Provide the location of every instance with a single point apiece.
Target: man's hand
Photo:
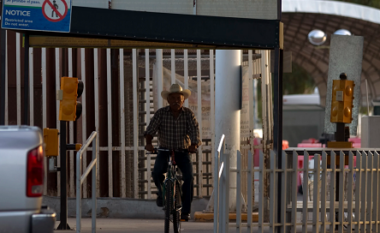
(193, 148)
(149, 147)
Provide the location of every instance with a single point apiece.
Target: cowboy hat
(176, 88)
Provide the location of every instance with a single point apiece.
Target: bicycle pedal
(178, 209)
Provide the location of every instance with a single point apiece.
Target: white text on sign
(17, 12)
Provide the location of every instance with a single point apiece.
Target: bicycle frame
(171, 174)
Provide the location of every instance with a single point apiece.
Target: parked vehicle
(22, 181)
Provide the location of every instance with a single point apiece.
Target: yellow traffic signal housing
(68, 103)
(51, 142)
(342, 101)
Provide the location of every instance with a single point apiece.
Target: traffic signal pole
(62, 137)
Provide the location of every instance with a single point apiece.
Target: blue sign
(37, 15)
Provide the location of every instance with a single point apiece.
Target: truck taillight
(35, 172)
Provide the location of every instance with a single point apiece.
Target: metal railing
(341, 192)
(220, 180)
(81, 177)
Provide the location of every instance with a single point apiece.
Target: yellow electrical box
(68, 103)
(51, 142)
(342, 101)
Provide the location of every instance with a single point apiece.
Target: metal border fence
(341, 192)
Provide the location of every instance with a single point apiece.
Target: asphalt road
(112, 225)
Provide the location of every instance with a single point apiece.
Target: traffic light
(69, 108)
(342, 101)
(51, 142)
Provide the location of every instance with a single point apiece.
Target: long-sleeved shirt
(174, 133)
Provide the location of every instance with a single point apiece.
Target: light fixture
(317, 37)
(342, 32)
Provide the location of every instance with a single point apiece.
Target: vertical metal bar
(316, 203)
(370, 190)
(147, 107)
(251, 93)
(3, 78)
(323, 191)
(222, 193)
(349, 190)
(84, 114)
(294, 191)
(284, 184)
(261, 192)
(95, 156)
(123, 188)
(249, 194)
(172, 58)
(5, 75)
(364, 190)
(358, 178)
(186, 73)
(63, 170)
(216, 191)
(71, 130)
(305, 190)
(135, 126)
(199, 113)
(277, 118)
(31, 87)
(109, 118)
(44, 115)
(227, 188)
(377, 193)
(341, 191)
(332, 191)
(58, 87)
(78, 193)
(272, 192)
(96, 96)
(159, 62)
(238, 192)
(212, 106)
(18, 78)
(25, 120)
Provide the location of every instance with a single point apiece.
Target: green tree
(371, 3)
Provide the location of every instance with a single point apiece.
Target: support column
(227, 109)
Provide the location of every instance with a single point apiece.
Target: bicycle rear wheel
(168, 204)
(178, 207)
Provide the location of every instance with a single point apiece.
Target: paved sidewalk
(112, 225)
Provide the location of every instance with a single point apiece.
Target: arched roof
(302, 16)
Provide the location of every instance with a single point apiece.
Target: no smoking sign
(54, 10)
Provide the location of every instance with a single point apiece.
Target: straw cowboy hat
(176, 88)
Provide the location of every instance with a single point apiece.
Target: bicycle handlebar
(155, 151)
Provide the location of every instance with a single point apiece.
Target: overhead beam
(147, 29)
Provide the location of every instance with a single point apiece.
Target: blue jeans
(183, 162)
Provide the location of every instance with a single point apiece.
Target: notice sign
(37, 15)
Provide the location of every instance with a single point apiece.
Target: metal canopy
(172, 30)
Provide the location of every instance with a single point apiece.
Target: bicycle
(172, 193)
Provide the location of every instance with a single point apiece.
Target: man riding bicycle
(178, 130)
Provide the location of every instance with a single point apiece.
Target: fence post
(261, 192)
(305, 189)
(317, 166)
(250, 196)
(238, 192)
(216, 191)
(357, 190)
(272, 192)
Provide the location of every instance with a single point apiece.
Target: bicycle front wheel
(178, 207)
(168, 203)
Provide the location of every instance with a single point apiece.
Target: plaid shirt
(174, 133)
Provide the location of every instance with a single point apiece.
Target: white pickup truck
(22, 181)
